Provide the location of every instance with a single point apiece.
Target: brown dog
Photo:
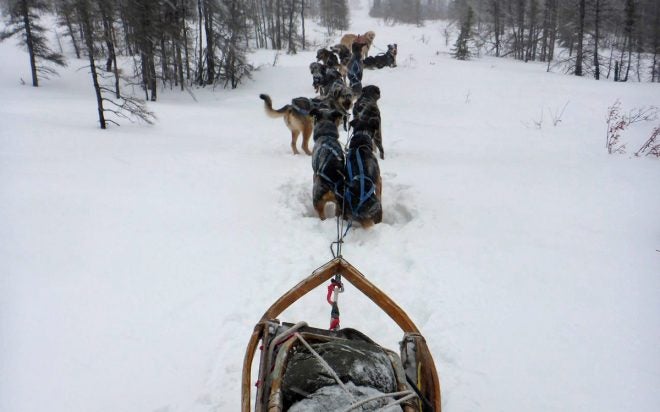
(295, 120)
(366, 38)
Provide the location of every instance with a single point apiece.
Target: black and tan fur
(364, 186)
(366, 107)
(297, 122)
(327, 161)
(297, 115)
(382, 59)
(318, 72)
(331, 60)
(327, 57)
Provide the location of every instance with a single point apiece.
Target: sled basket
(308, 369)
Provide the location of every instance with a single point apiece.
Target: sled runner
(308, 369)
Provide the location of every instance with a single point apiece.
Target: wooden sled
(419, 373)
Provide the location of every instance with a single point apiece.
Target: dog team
(350, 179)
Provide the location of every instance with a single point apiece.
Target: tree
(629, 30)
(23, 20)
(334, 15)
(125, 107)
(580, 39)
(461, 50)
(231, 30)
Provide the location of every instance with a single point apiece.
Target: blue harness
(360, 177)
(354, 72)
(320, 170)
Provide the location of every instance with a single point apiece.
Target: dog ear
(377, 92)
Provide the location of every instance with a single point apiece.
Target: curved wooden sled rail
(431, 387)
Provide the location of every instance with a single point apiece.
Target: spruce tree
(23, 20)
(461, 50)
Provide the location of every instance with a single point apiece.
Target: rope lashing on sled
(325, 365)
(406, 395)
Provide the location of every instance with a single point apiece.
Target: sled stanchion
(246, 383)
(429, 381)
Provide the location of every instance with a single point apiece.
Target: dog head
(326, 121)
(370, 92)
(342, 95)
(315, 68)
(342, 51)
(327, 57)
(392, 48)
(318, 73)
(369, 37)
(321, 54)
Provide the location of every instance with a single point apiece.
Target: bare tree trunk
(531, 35)
(302, 17)
(520, 35)
(278, 24)
(292, 10)
(625, 79)
(496, 24)
(29, 43)
(69, 26)
(553, 30)
(184, 33)
(580, 40)
(596, 38)
(86, 26)
(200, 62)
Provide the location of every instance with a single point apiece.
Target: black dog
(327, 161)
(327, 57)
(330, 77)
(355, 68)
(343, 52)
(318, 74)
(362, 196)
(366, 107)
(383, 59)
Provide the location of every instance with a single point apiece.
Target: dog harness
(320, 170)
(360, 177)
(354, 71)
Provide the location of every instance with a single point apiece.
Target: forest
(186, 43)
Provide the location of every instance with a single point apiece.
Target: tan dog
(366, 38)
(296, 121)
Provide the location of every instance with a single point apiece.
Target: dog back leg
(308, 128)
(294, 140)
(378, 139)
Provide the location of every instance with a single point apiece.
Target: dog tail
(268, 106)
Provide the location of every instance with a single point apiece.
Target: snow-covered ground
(134, 262)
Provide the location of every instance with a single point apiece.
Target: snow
(134, 262)
(333, 399)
